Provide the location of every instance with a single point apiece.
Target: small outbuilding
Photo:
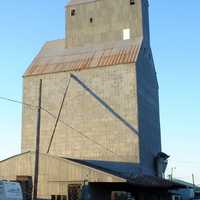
(57, 175)
(65, 178)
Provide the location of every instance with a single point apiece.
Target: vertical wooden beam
(37, 151)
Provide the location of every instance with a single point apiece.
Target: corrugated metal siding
(55, 58)
(54, 173)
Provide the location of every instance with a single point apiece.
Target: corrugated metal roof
(134, 179)
(54, 57)
(141, 182)
(120, 169)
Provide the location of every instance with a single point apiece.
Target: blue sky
(175, 38)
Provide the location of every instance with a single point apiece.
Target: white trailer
(10, 191)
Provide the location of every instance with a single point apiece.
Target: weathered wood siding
(54, 173)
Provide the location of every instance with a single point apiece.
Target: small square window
(91, 20)
(73, 12)
(126, 34)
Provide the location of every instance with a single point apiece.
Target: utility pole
(193, 181)
(37, 151)
(172, 173)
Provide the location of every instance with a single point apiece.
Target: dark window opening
(64, 197)
(58, 197)
(132, 2)
(91, 20)
(119, 195)
(53, 197)
(73, 12)
(74, 192)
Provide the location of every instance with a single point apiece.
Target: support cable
(58, 117)
(64, 123)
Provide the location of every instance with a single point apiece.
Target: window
(53, 197)
(132, 2)
(74, 192)
(126, 34)
(58, 197)
(73, 12)
(118, 195)
(91, 20)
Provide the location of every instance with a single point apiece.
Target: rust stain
(97, 58)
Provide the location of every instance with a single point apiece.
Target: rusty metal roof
(54, 57)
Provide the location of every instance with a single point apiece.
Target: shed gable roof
(134, 179)
(54, 57)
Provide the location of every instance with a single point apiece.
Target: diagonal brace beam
(58, 117)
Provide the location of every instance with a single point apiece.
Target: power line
(186, 163)
(79, 132)
(18, 102)
(64, 123)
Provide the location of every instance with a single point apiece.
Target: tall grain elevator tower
(100, 124)
(110, 114)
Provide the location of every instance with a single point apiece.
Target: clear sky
(175, 38)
